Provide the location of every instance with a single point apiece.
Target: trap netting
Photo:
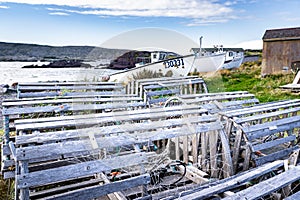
(177, 146)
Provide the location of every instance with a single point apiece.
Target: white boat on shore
(175, 65)
(233, 56)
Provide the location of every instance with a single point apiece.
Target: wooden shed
(281, 49)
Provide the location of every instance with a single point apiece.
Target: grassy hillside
(32, 52)
(248, 78)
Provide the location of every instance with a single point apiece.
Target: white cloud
(4, 7)
(252, 44)
(59, 13)
(204, 10)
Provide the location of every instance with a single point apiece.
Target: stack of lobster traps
(153, 139)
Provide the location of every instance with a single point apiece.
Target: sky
(235, 23)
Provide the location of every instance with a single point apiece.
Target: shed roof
(282, 34)
(196, 50)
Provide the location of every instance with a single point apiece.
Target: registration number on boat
(174, 63)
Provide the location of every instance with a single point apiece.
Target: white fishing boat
(233, 56)
(175, 65)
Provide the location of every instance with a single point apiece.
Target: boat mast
(200, 50)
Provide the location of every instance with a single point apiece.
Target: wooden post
(195, 145)
(177, 148)
(185, 149)
(226, 157)
(236, 149)
(228, 127)
(204, 144)
(23, 169)
(213, 140)
(247, 158)
(6, 128)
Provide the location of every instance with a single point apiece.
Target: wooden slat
(98, 191)
(69, 107)
(107, 130)
(53, 94)
(230, 183)
(73, 171)
(266, 115)
(70, 87)
(70, 100)
(218, 98)
(267, 128)
(97, 121)
(268, 186)
(20, 84)
(201, 95)
(260, 108)
(56, 190)
(162, 92)
(55, 150)
(275, 156)
(273, 143)
(295, 196)
(150, 112)
(71, 97)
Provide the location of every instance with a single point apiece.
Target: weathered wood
(112, 196)
(213, 141)
(275, 156)
(204, 142)
(267, 128)
(268, 186)
(295, 196)
(293, 159)
(70, 107)
(55, 150)
(230, 183)
(166, 111)
(69, 83)
(177, 148)
(273, 143)
(12, 150)
(72, 87)
(260, 108)
(83, 95)
(56, 190)
(190, 174)
(195, 147)
(9, 175)
(201, 95)
(238, 103)
(70, 100)
(218, 98)
(185, 148)
(226, 156)
(97, 121)
(265, 115)
(53, 94)
(38, 178)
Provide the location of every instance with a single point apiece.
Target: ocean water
(11, 72)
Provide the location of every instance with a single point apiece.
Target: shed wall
(278, 54)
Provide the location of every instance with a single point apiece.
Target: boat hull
(234, 63)
(176, 67)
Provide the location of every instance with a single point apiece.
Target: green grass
(6, 186)
(248, 78)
